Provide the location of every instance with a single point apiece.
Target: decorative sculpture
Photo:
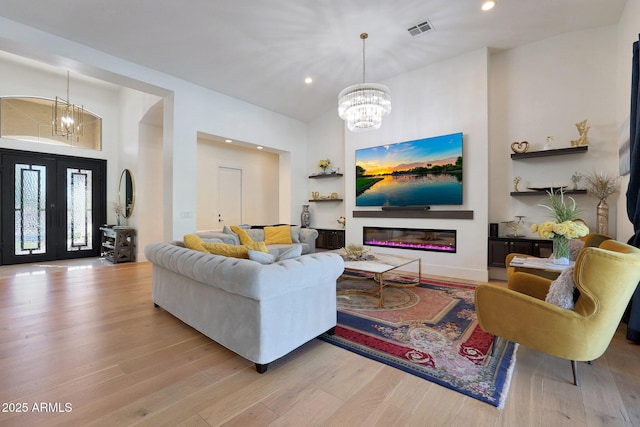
(583, 129)
(520, 147)
(549, 143)
(516, 181)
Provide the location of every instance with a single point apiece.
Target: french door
(52, 206)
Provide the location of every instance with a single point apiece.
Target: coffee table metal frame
(382, 263)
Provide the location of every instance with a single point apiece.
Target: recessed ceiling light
(228, 140)
(488, 5)
(259, 147)
(308, 80)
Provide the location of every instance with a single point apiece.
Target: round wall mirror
(127, 192)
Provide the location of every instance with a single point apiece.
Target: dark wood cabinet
(330, 239)
(118, 244)
(500, 247)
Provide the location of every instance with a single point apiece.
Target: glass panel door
(58, 205)
(79, 209)
(30, 209)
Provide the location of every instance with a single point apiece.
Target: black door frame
(56, 205)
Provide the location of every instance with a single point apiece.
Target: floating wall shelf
(548, 153)
(544, 193)
(325, 175)
(413, 213)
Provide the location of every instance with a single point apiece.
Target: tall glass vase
(603, 217)
(561, 250)
(305, 216)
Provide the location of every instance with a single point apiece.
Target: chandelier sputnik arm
(363, 105)
(67, 118)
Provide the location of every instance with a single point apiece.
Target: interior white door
(230, 196)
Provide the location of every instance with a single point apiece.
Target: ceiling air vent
(419, 29)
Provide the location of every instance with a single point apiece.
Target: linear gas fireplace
(410, 238)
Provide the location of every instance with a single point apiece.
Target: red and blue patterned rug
(429, 330)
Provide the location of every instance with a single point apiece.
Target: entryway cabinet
(118, 244)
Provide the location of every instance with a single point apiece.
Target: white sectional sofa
(260, 312)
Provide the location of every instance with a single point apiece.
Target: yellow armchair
(606, 278)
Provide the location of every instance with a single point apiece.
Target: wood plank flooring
(83, 345)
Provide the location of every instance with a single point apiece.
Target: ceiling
(260, 51)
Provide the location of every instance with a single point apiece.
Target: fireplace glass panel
(410, 238)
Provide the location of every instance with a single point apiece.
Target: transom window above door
(30, 119)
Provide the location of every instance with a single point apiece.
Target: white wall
(188, 109)
(628, 30)
(326, 141)
(25, 79)
(543, 89)
(448, 97)
(259, 183)
(149, 188)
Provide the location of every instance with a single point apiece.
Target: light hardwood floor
(86, 341)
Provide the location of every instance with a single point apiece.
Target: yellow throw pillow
(244, 237)
(258, 246)
(194, 242)
(280, 234)
(235, 251)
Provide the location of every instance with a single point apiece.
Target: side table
(118, 244)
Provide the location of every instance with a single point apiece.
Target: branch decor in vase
(118, 208)
(601, 186)
(565, 226)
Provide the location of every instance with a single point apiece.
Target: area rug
(428, 330)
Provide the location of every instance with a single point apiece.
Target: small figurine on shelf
(342, 221)
(516, 181)
(575, 178)
(515, 225)
(520, 147)
(583, 129)
(549, 143)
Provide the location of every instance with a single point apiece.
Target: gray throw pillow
(292, 252)
(295, 233)
(261, 257)
(227, 230)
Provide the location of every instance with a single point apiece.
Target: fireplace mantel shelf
(412, 213)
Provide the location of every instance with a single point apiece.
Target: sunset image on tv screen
(423, 172)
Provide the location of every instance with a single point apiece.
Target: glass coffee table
(380, 264)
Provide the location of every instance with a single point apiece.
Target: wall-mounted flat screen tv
(417, 173)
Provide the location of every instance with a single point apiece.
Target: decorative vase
(603, 217)
(561, 250)
(305, 216)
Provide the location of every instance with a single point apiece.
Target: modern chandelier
(67, 118)
(363, 105)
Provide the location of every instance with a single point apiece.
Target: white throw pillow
(261, 257)
(561, 290)
(293, 252)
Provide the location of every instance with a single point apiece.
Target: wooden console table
(118, 244)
